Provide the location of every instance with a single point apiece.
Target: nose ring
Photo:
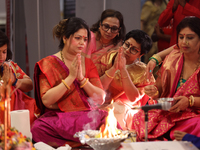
(187, 43)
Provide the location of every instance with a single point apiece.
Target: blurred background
(29, 23)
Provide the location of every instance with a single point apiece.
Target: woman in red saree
(178, 78)
(67, 88)
(20, 81)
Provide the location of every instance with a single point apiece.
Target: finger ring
(150, 71)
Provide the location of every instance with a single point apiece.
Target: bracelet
(156, 56)
(191, 100)
(157, 92)
(108, 75)
(84, 83)
(63, 81)
(155, 60)
(82, 79)
(14, 84)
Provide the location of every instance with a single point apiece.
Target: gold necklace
(62, 58)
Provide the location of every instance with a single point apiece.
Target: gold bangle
(158, 58)
(156, 94)
(84, 83)
(108, 75)
(63, 81)
(191, 100)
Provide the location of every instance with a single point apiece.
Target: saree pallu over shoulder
(167, 72)
(171, 75)
(55, 70)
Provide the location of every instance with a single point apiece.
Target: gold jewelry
(158, 58)
(181, 77)
(63, 81)
(191, 100)
(187, 43)
(84, 83)
(156, 94)
(62, 58)
(108, 75)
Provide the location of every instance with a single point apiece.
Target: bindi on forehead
(83, 36)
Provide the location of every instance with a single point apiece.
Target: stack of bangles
(156, 58)
(191, 100)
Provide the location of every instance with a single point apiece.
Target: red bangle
(82, 79)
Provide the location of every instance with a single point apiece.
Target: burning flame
(109, 130)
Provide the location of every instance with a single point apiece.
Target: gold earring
(64, 41)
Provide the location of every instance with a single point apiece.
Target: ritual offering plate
(166, 103)
(93, 139)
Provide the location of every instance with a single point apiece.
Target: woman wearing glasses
(107, 33)
(123, 75)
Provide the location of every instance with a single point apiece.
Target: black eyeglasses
(106, 27)
(133, 50)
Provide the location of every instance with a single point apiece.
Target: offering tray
(88, 137)
(166, 103)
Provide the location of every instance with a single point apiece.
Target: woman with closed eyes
(67, 88)
(179, 77)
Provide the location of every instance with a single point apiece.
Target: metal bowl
(166, 103)
(88, 137)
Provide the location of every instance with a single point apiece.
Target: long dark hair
(4, 40)
(110, 13)
(68, 27)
